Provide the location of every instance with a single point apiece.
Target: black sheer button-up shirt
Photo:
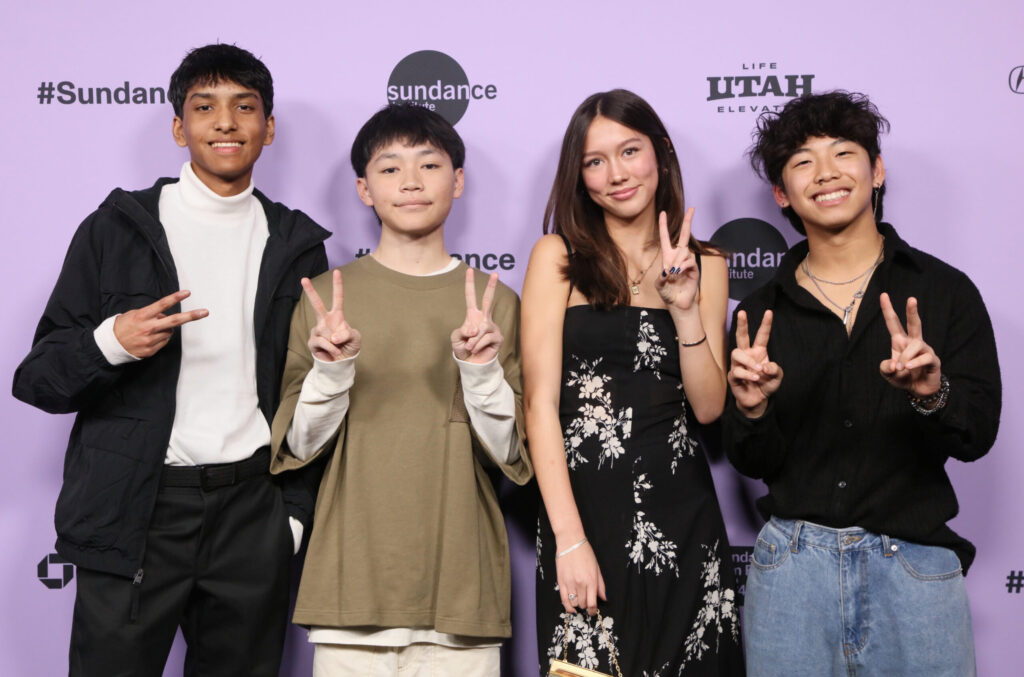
(837, 444)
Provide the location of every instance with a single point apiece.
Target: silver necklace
(821, 279)
(847, 310)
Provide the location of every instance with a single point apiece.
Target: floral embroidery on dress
(597, 417)
(719, 610)
(657, 673)
(649, 548)
(540, 567)
(640, 483)
(679, 439)
(582, 635)
(649, 347)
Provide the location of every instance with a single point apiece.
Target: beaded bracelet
(926, 406)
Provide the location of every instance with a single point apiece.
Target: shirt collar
(197, 196)
(897, 252)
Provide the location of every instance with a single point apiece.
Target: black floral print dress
(648, 505)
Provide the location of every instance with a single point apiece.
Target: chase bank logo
(57, 577)
(436, 81)
(1016, 80)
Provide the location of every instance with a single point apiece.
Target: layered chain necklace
(847, 310)
(634, 285)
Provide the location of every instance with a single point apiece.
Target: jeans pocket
(927, 562)
(771, 548)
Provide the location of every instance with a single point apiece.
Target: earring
(874, 201)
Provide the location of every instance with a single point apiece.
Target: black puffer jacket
(118, 260)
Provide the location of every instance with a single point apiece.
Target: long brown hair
(597, 267)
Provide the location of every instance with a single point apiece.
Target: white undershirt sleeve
(492, 408)
(323, 403)
(109, 345)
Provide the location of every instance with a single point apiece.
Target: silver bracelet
(570, 548)
(926, 406)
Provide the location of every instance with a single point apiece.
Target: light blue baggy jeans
(849, 602)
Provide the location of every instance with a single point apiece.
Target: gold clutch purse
(563, 668)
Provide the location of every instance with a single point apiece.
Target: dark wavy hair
(597, 267)
(213, 64)
(411, 124)
(838, 114)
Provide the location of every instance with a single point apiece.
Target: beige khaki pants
(415, 660)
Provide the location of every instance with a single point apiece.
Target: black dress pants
(216, 564)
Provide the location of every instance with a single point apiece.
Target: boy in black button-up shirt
(848, 407)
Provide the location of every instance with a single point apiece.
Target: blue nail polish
(663, 273)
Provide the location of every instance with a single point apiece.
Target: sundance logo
(755, 249)
(437, 81)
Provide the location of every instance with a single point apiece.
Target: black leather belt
(215, 475)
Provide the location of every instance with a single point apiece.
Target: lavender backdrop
(945, 74)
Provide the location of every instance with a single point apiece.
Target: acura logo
(1017, 79)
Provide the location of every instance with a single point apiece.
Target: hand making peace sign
(752, 376)
(479, 338)
(913, 365)
(332, 338)
(144, 331)
(679, 281)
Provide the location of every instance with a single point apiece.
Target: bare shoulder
(547, 263)
(714, 266)
(549, 249)
(714, 284)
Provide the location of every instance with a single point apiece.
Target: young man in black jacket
(167, 332)
(890, 369)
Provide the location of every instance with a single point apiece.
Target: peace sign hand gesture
(144, 331)
(680, 278)
(332, 338)
(479, 338)
(913, 365)
(752, 377)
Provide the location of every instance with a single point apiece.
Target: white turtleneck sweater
(217, 245)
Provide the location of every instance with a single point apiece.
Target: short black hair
(411, 124)
(838, 114)
(220, 63)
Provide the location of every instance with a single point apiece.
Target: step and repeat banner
(85, 110)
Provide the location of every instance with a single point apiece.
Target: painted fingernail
(664, 273)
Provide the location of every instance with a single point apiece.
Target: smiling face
(620, 170)
(225, 130)
(410, 187)
(828, 183)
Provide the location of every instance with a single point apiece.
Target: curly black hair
(838, 114)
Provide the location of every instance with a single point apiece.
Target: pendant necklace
(847, 309)
(634, 285)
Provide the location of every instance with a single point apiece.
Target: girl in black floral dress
(623, 341)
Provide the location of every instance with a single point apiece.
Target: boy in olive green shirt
(408, 558)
